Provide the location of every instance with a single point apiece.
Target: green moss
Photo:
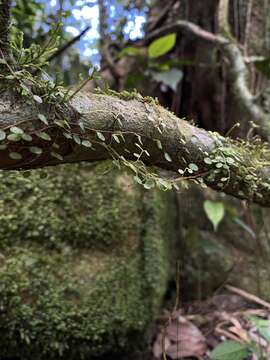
(127, 95)
(158, 241)
(88, 289)
(72, 206)
(54, 305)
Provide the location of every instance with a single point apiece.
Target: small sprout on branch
(37, 99)
(2, 135)
(167, 157)
(57, 156)
(43, 119)
(77, 139)
(193, 167)
(15, 156)
(100, 136)
(159, 145)
(116, 138)
(27, 137)
(16, 130)
(44, 136)
(86, 143)
(35, 150)
(14, 137)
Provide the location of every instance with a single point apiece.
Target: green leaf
(35, 150)
(16, 130)
(215, 212)
(161, 46)
(116, 138)
(43, 119)
(262, 325)
(15, 156)
(37, 99)
(2, 135)
(67, 135)
(207, 160)
(159, 145)
(77, 139)
(44, 136)
(137, 179)
(60, 123)
(3, 147)
(193, 167)
(100, 136)
(149, 184)
(167, 157)
(86, 143)
(229, 350)
(57, 156)
(27, 137)
(230, 161)
(14, 137)
(81, 125)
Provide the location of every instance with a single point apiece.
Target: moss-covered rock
(84, 262)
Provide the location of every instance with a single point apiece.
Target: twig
(223, 12)
(248, 296)
(183, 25)
(248, 26)
(68, 44)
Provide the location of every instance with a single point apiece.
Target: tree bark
(245, 168)
(4, 28)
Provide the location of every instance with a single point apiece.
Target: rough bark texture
(245, 168)
(4, 28)
(236, 169)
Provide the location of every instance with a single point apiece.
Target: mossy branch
(103, 126)
(4, 28)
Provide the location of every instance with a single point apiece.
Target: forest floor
(235, 323)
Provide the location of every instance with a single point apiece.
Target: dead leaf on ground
(180, 339)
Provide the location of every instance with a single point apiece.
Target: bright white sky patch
(135, 29)
(86, 13)
(53, 3)
(90, 16)
(72, 30)
(90, 52)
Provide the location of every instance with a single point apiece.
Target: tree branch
(4, 28)
(237, 70)
(237, 169)
(223, 13)
(66, 46)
